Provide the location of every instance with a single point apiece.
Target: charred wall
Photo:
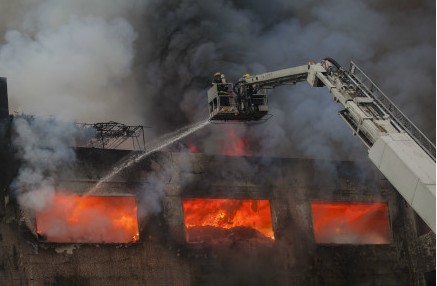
(162, 256)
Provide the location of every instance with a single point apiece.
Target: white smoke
(71, 61)
(150, 195)
(44, 147)
(157, 182)
(140, 61)
(151, 62)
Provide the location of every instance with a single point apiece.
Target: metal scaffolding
(111, 135)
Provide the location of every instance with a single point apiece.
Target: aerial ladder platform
(404, 155)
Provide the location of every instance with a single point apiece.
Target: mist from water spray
(158, 144)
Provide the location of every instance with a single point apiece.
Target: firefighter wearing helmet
(220, 81)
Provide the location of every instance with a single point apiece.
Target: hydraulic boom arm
(396, 146)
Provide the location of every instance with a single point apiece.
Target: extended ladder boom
(396, 146)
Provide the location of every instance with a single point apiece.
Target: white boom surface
(398, 149)
(410, 170)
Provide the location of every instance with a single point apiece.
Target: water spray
(158, 144)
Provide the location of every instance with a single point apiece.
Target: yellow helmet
(246, 75)
(217, 74)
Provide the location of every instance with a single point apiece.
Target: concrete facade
(162, 257)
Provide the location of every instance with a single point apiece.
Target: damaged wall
(162, 257)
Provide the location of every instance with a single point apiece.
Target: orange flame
(227, 214)
(193, 148)
(354, 223)
(72, 218)
(235, 145)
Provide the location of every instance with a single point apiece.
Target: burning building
(180, 218)
(217, 222)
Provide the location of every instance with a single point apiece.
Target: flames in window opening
(218, 220)
(89, 219)
(235, 145)
(351, 222)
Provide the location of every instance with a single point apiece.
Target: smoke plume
(70, 60)
(151, 62)
(187, 41)
(164, 170)
(44, 149)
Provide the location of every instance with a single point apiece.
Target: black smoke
(187, 41)
(152, 61)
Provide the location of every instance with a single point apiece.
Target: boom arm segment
(398, 149)
(280, 77)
